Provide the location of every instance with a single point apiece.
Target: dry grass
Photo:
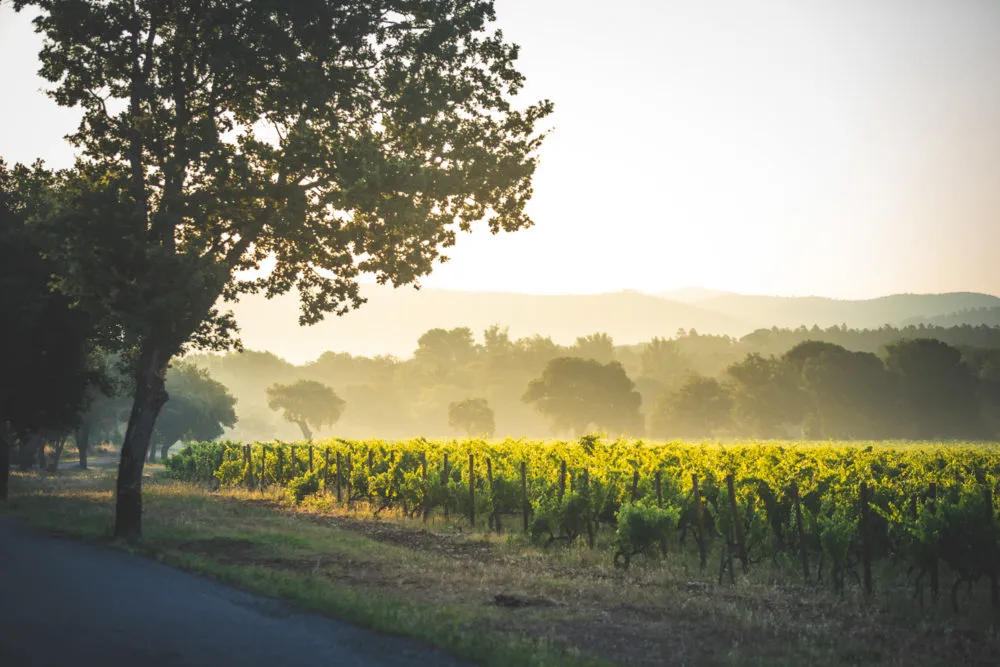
(558, 606)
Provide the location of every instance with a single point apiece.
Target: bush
(560, 521)
(198, 461)
(302, 486)
(640, 528)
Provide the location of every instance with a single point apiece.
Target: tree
(332, 138)
(697, 408)
(44, 365)
(766, 395)
(473, 415)
(938, 390)
(444, 352)
(576, 393)
(853, 394)
(598, 346)
(199, 408)
(663, 361)
(306, 403)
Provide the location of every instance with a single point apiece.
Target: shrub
(640, 528)
(560, 521)
(304, 485)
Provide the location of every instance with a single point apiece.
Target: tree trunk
(306, 432)
(59, 445)
(164, 452)
(151, 454)
(27, 449)
(150, 395)
(83, 442)
(40, 453)
(4, 461)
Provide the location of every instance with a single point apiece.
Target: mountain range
(392, 319)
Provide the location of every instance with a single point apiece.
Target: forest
(911, 383)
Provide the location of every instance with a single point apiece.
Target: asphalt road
(68, 603)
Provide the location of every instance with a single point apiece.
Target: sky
(843, 148)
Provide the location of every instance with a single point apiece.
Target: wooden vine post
(293, 463)
(350, 470)
(797, 506)
(472, 491)
(340, 478)
(562, 480)
(263, 468)
(659, 489)
(699, 519)
(326, 468)
(493, 497)
(310, 458)
(635, 486)
(738, 533)
(935, 582)
(444, 473)
(866, 546)
(249, 463)
(525, 508)
(591, 521)
(281, 466)
(425, 500)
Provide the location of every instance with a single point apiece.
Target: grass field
(501, 601)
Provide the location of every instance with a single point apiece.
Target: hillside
(896, 309)
(393, 319)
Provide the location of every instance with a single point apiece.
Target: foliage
(640, 528)
(579, 393)
(304, 485)
(699, 407)
(598, 488)
(46, 365)
(330, 139)
(306, 403)
(473, 416)
(199, 408)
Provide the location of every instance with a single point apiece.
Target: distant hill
(692, 294)
(974, 316)
(393, 319)
(897, 309)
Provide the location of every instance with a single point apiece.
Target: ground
(498, 601)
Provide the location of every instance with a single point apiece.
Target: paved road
(68, 603)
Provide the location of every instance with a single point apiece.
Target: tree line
(689, 386)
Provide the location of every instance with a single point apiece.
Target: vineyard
(832, 513)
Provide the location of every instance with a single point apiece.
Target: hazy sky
(845, 148)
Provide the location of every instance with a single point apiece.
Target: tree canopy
(331, 139)
(199, 408)
(698, 408)
(307, 404)
(576, 394)
(45, 365)
(473, 416)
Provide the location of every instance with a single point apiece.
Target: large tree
(44, 363)
(327, 138)
(767, 398)
(698, 408)
(473, 415)
(937, 389)
(577, 394)
(199, 408)
(307, 404)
